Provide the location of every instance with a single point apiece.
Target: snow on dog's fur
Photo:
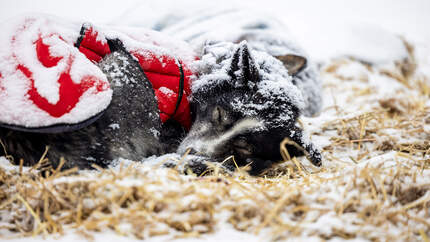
(244, 103)
(124, 130)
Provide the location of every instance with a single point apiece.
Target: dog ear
(243, 68)
(293, 63)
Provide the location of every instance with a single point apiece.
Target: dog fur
(130, 128)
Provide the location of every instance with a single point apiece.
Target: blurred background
(323, 28)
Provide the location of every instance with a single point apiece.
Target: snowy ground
(374, 131)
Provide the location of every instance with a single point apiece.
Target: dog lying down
(242, 102)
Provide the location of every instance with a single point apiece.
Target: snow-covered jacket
(49, 74)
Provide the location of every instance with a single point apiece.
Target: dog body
(129, 128)
(244, 102)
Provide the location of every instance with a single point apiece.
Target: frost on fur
(277, 87)
(245, 103)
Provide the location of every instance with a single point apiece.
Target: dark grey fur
(216, 115)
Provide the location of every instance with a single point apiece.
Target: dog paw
(197, 165)
(201, 165)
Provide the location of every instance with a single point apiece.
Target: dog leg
(312, 153)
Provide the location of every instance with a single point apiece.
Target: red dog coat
(48, 74)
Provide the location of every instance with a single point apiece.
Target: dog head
(244, 104)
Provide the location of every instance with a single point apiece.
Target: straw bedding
(374, 184)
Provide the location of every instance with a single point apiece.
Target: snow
(17, 48)
(110, 236)
(149, 43)
(166, 91)
(365, 42)
(114, 126)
